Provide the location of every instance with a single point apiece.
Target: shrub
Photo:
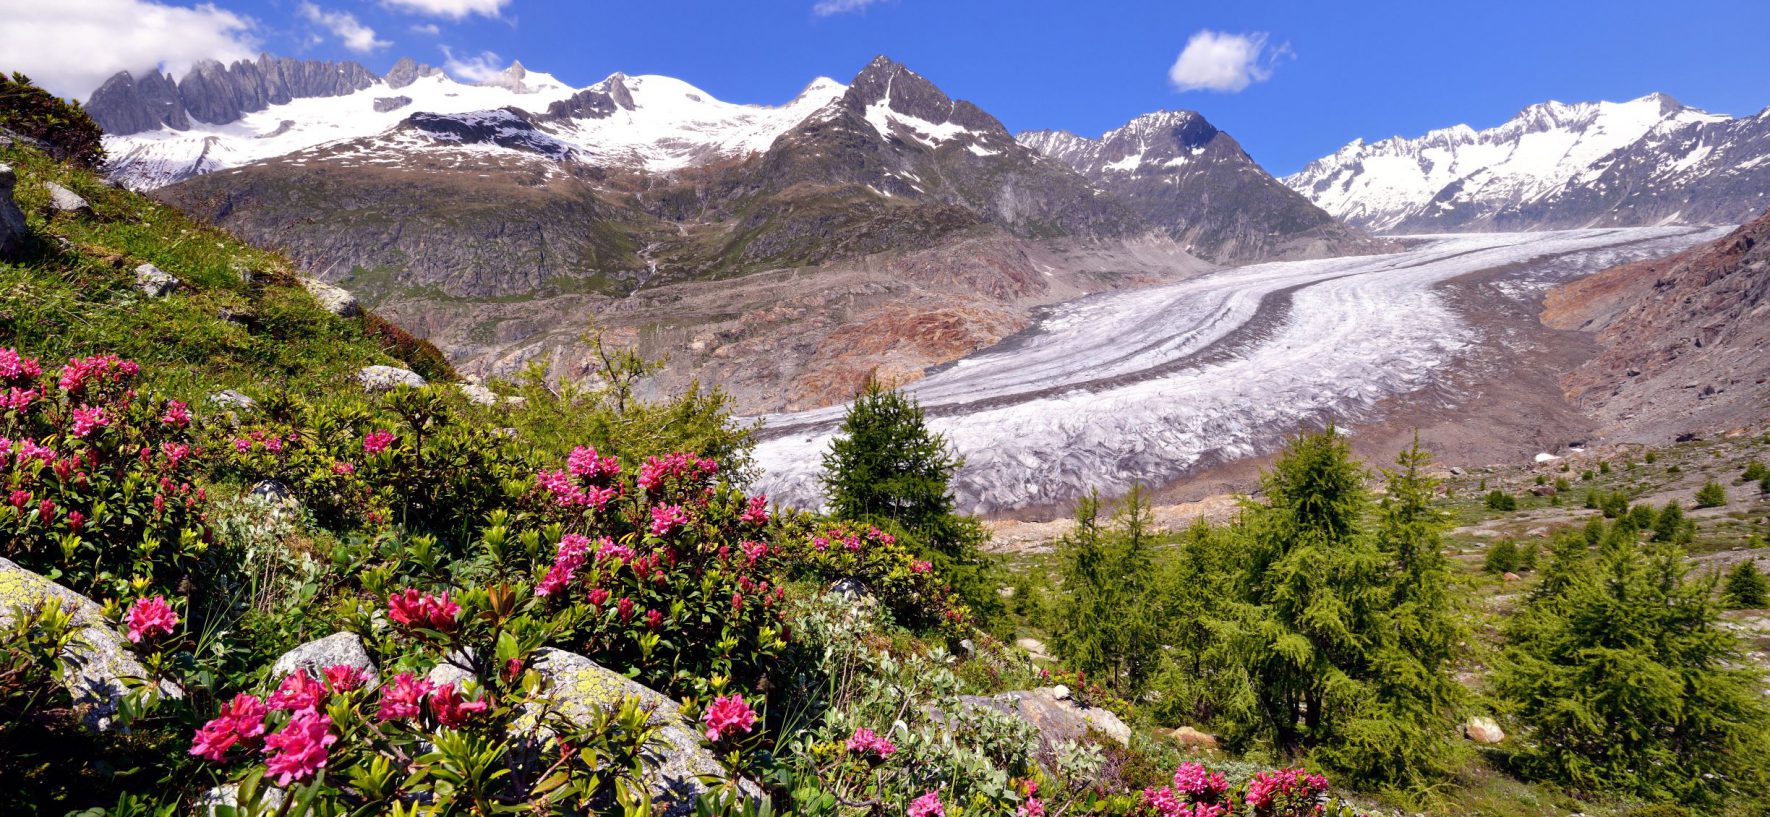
(1711, 495)
(1651, 457)
(1755, 470)
(1503, 557)
(1603, 467)
(1498, 500)
(1745, 588)
(62, 125)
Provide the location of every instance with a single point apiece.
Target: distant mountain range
(1647, 161)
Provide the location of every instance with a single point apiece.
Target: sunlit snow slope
(1145, 386)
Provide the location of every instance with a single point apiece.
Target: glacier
(1145, 386)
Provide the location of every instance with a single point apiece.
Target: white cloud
(825, 8)
(426, 28)
(451, 9)
(1214, 61)
(474, 68)
(69, 47)
(344, 25)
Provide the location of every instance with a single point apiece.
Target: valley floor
(1171, 383)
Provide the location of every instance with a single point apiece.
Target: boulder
(335, 300)
(1034, 648)
(579, 687)
(455, 669)
(1509, 576)
(12, 219)
(316, 655)
(230, 399)
(64, 200)
(479, 395)
(225, 799)
(1194, 740)
(1054, 714)
(1483, 730)
(154, 282)
(387, 378)
(99, 666)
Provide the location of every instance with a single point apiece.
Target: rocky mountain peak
(888, 86)
(407, 71)
(218, 94)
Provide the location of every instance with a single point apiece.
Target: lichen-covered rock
(99, 668)
(154, 282)
(455, 668)
(386, 378)
(333, 650)
(230, 399)
(1194, 740)
(335, 300)
(12, 219)
(579, 687)
(67, 201)
(1056, 716)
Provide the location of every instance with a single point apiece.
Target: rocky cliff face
(1685, 339)
(1181, 174)
(1647, 161)
(218, 94)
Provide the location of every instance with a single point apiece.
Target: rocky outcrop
(1055, 714)
(1186, 177)
(1683, 338)
(315, 656)
(336, 300)
(580, 687)
(13, 230)
(407, 71)
(99, 669)
(383, 104)
(154, 282)
(387, 378)
(217, 94)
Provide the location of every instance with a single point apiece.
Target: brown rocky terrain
(1684, 340)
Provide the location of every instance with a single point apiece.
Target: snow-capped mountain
(1195, 182)
(1644, 161)
(160, 133)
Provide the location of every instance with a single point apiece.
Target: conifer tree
(1627, 682)
(1112, 625)
(1745, 588)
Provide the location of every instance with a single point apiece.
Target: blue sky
(1327, 72)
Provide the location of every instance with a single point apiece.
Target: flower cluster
(870, 745)
(665, 519)
(683, 469)
(149, 619)
(1287, 791)
(377, 441)
(414, 609)
(81, 373)
(928, 805)
(727, 715)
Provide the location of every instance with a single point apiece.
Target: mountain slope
(1685, 339)
(1181, 174)
(1646, 161)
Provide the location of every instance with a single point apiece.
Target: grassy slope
(72, 293)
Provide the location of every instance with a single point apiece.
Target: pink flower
(76, 521)
(680, 466)
(452, 710)
(624, 609)
(297, 692)
(149, 618)
(598, 596)
(87, 418)
(921, 567)
(571, 554)
(753, 551)
(1199, 783)
(15, 367)
(654, 619)
(1288, 784)
(242, 719)
(178, 415)
(928, 805)
(344, 677)
(867, 742)
(98, 368)
(756, 512)
(298, 750)
(17, 399)
(728, 714)
(175, 452)
(403, 698)
(1162, 801)
(607, 549)
(377, 441)
(585, 462)
(665, 519)
(1031, 807)
(414, 609)
(343, 469)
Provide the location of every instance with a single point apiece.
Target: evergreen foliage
(1745, 587)
(1110, 623)
(1626, 681)
(1711, 495)
(1502, 557)
(1498, 500)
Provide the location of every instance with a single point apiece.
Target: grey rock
(479, 395)
(333, 650)
(100, 666)
(154, 282)
(225, 799)
(125, 105)
(579, 687)
(453, 669)
(1054, 714)
(230, 399)
(67, 201)
(407, 71)
(387, 378)
(12, 220)
(277, 498)
(335, 300)
(383, 104)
